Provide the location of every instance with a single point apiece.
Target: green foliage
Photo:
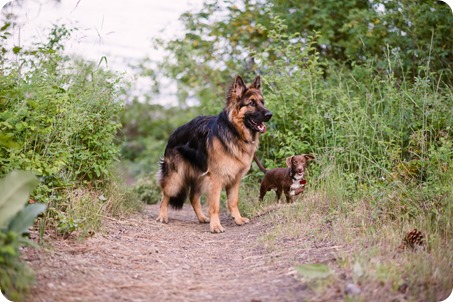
(15, 277)
(58, 117)
(213, 49)
(384, 138)
(15, 219)
(25, 218)
(66, 224)
(15, 189)
(356, 31)
(219, 40)
(58, 121)
(147, 190)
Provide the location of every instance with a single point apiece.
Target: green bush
(58, 118)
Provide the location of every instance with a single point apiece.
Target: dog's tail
(259, 164)
(177, 202)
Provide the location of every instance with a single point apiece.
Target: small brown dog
(289, 180)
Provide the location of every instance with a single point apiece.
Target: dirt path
(138, 259)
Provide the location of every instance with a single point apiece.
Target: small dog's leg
(232, 197)
(289, 199)
(263, 191)
(195, 201)
(163, 215)
(279, 194)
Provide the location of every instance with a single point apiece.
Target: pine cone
(413, 239)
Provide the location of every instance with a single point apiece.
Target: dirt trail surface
(138, 259)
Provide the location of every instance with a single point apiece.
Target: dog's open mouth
(298, 176)
(259, 127)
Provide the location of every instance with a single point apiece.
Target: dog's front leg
(232, 197)
(299, 190)
(289, 198)
(214, 207)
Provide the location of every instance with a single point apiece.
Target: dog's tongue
(262, 128)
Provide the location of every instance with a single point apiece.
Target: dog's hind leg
(263, 191)
(195, 195)
(163, 214)
(278, 193)
(232, 197)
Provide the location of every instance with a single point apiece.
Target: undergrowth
(384, 167)
(59, 119)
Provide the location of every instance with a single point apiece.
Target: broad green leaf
(313, 270)
(15, 189)
(25, 218)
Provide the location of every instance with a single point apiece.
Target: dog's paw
(241, 220)
(162, 219)
(203, 219)
(217, 228)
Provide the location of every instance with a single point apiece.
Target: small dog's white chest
(296, 185)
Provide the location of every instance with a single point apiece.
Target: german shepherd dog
(210, 153)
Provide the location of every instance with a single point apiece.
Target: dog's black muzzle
(267, 115)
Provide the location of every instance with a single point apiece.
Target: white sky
(105, 27)
(121, 30)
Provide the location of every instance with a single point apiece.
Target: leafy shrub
(58, 118)
(15, 219)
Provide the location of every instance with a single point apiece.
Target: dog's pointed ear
(256, 83)
(237, 89)
(289, 161)
(309, 157)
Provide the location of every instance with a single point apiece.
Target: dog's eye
(253, 103)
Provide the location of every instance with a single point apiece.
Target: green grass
(388, 272)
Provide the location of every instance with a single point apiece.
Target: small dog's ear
(237, 89)
(289, 161)
(309, 157)
(256, 83)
